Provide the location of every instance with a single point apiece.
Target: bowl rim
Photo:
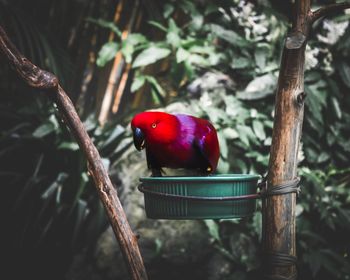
(211, 178)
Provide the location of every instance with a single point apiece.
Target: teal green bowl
(213, 197)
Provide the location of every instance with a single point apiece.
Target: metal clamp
(199, 198)
(291, 186)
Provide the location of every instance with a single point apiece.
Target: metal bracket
(199, 198)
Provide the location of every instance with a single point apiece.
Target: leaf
(259, 129)
(61, 178)
(150, 55)
(173, 34)
(84, 179)
(181, 55)
(106, 24)
(90, 123)
(332, 261)
(230, 133)
(189, 69)
(173, 39)
(314, 259)
(68, 146)
(210, 8)
(344, 70)
(315, 103)
(197, 22)
(158, 25)
(268, 141)
(213, 229)
(344, 217)
(155, 96)
(123, 146)
(299, 209)
(188, 7)
(313, 76)
(258, 157)
(43, 130)
(197, 18)
(159, 245)
(260, 56)
(130, 43)
(245, 134)
(136, 39)
(114, 135)
(107, 53)
(223, 145)
(241, 165)
(259, 88)
(257, 223)
(168, 10)
(137, 83)
(223, 166)
(156, 85)
(330, 138)
(336, 107)
(240, 63)
(229, 36)
(323, 157)
(80, 216)
(106, 163)
(198, 60)
(215, 114)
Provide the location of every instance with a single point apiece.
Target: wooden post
(47, 82)
(279, 210)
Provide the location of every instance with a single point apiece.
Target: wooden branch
(279, 210)
(329, 9)
(43, 80)
(31, 74)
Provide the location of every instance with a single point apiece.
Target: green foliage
(34, 42)
(106, 24)
(223, 63)
(323, 222)
(107, 53)
(48, 177)
(243, 42)
(149, 56)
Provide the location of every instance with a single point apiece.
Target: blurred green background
(214, 59)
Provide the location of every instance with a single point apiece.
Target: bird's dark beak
(139, 139)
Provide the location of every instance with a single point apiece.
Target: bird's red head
(153, 127)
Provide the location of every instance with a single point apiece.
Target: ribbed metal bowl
(212, 197)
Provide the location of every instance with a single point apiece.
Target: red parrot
(176, 141)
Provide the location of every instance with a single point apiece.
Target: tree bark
(279, 210)
(42, 80)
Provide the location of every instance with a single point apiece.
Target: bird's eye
(154, 125)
